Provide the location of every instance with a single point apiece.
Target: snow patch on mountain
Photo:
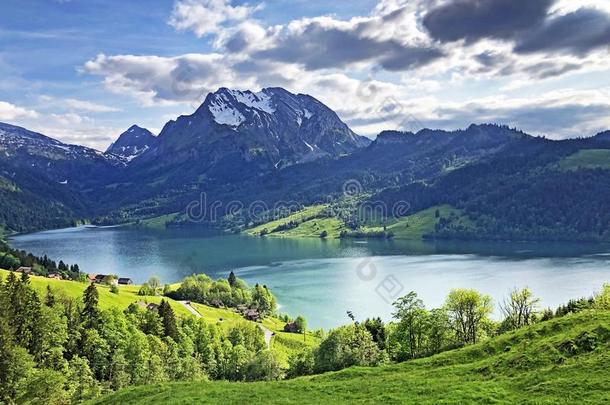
(224, 113)
(258, 101)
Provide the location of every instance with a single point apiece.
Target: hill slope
(558, 361)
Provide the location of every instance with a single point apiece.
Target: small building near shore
(291, 327)
(253, 315)
(26, 270)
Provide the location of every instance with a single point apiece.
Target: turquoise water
(322, 279)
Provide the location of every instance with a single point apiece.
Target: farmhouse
(125, 281)
(291, 327)
(26, 270)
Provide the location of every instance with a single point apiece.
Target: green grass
(72, 289)
(157, 222)
(414, 226)
(530, 366)
(587, 159)
(284, 344)
(422, 223)
(303, 215)
(417, 225)
(314, 228)
(218, 316)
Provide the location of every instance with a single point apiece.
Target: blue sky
(85, 70)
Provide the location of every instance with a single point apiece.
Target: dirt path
(268, 335)
(268, 332)
(190, 308)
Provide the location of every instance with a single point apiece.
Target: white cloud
(78, 105)
(156, 80)
(206, 16)
(82, 105)
(366, 68)
(10, 111)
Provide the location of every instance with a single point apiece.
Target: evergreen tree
(50, 297)
(168, 319)
(232, 279)
(90, 312)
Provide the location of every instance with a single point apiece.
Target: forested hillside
(505, 183)
(525, 193)
(563, 360)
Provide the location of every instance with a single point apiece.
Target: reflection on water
(320, 278)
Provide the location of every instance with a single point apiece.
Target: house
(253, 315)
(105, 279)
(92, 277)
(216, 303)
(55, 276)
(26, 270)
(125, 281)
(291, 327)
(147, 306)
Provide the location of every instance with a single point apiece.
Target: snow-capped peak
(258, 101)
(224, 113)
(227, 106)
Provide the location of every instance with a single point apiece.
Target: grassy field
(73, 289)
(587, 159)
(562, 361)
(414, 226)
(303, 215)
(157, 222)
(422, 223)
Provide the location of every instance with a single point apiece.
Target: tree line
(415, 332)
(12, 259)
(55, 349)
(232, 292)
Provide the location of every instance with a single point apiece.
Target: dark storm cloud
(319, 47)
(577, 33)
(477, 19)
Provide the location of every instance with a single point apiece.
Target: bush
(300, 363)
(347, 346)
(264, 367)
(114, 289)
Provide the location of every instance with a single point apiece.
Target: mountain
(45, 183)
(236, 136)
(272, 146)
(132, 143)
(269, 129)
(53, 160)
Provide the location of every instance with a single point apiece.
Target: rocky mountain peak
(132, 143)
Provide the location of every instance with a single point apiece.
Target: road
(268, 332)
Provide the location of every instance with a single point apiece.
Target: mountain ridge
(269, 146)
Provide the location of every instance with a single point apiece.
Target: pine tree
(90, 312)
(50, 297)
(168, 319)
(232, 279)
